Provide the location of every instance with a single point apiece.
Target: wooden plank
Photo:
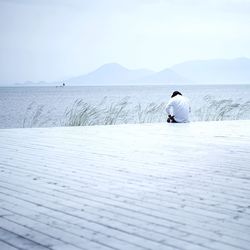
(6, 246)
(150, 186)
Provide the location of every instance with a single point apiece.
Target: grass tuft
(124, 111)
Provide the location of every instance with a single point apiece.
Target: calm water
(45, 106)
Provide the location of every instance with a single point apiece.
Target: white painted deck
(152, 186)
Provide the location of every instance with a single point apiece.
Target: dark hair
(175, 93)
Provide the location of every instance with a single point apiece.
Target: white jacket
(179, 107)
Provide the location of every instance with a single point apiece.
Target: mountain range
(217, 71)
(113, 73)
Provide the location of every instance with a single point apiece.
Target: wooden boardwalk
(127, 187)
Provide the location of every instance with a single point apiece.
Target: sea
(96, 105)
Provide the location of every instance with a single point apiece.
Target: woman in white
(178, 108)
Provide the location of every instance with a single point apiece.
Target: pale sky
(49, 40)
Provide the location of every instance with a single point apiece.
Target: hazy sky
(56, 39)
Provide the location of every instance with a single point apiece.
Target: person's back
(178, 108)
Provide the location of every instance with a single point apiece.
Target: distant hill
(217, 71)
(112, 73)
(235, 71)
(166, 76)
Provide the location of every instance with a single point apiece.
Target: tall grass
(37, 116)
(124, 111)
(225, 109)
(108, 113)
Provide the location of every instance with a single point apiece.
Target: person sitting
(178, 108)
